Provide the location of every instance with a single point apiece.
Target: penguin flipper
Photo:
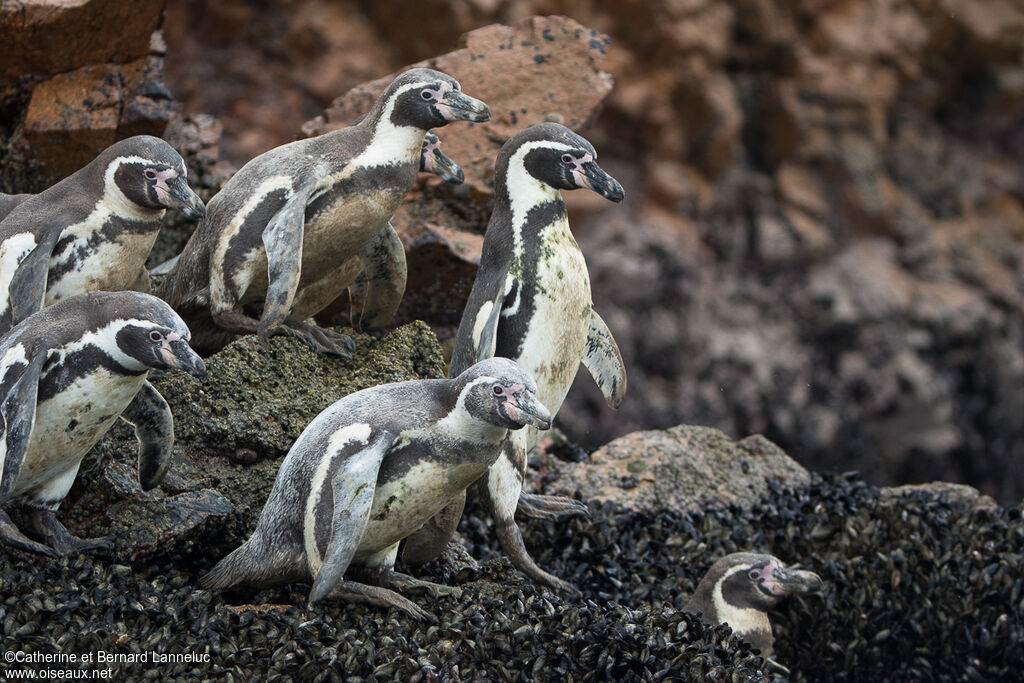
(18, 391)
(282, 240)
(154, 428)
(602, 359)
(27, 291)
(353, 485)
(386, 274)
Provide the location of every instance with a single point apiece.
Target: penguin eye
(567, 159)
(150, 174)
(427, 94)
(754, 575)
(498, 390)
(156, 336)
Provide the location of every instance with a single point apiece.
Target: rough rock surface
(75, 78)
(684, 468)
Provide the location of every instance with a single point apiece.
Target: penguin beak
(600, 182)
(457, 106)
(789, 580)
(178, 354)
(441, 164)
(525, 409)
(182, 197)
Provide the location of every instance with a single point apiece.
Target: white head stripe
(525, 191)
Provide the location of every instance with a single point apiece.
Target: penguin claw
(12, 537)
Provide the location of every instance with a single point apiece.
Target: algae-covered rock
(231, 431)
(682, 468)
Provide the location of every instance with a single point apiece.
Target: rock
(684, 468)
(231, 432)
(74, 116)
(47, 37)
(943, 491)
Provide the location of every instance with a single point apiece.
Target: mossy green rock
(260, 396)
(231, 431)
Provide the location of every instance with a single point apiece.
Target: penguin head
(499, 392)
(759, 581)
(147, 331)
(557, 157)
(433, 160)
(148, 172)
(425, 99)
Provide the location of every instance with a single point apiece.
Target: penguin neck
(390, 143)
(520, 194)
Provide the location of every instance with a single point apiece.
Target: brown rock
(539, 69)
(683, 468)
(74, 116)
(46, 37)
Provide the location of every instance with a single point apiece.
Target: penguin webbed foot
(399, 582)
(553, 508)
(320, 339)
(46, 524)
(511, 539)
(13, 538)
(380, 597)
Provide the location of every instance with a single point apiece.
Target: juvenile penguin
(369, 470)
(310, 215)
(93, 230)
(740, 588)
(66, 374)
(531, 302)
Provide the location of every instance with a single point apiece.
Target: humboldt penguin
(93, 230)
(310, 215)
(531, 302)
(67, 373)
(740, 588)
(393, 455)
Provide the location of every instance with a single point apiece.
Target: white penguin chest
(557, 331)
(66, 427)
(92, 262)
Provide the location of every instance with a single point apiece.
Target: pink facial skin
(160, 185)
(767, 578)
(429, 147)
(165, 349)
(577, 170)
(443, 108)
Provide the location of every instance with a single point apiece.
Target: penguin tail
(234, 569)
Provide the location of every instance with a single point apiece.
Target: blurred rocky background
(823, 229)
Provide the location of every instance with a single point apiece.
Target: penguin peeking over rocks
(294, 226)
(66, 374)
(370, 470)
(740, 588)
(531, 302)
(93, 230)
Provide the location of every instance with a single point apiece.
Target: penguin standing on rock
(370, 470)
(66, 374)
(291, 230)
(93, 230)
(740, 588)
(531, 302)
